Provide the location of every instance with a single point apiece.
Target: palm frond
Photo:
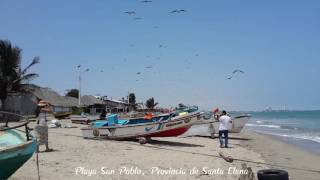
(27, 77)
(35, 60)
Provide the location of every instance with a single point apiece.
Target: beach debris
(246, 176)
(178, 11)
(229, 159)
(235, 72)
(130, 12)
(146, 1)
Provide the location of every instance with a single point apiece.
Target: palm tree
(12, 77)
(73, 93)
(132, 101)
(151, 104)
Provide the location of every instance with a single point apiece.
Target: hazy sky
(276, 43)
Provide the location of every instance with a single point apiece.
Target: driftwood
(229, 159)
(249, 175)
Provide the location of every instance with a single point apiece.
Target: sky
(192, 54)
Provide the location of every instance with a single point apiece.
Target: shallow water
(301, 128)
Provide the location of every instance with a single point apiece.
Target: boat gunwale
(15, 147)
(143, 124)
(24, 121)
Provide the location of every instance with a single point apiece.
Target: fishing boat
(16, 147)
(237, 124)
(143, 129)
(211, 127)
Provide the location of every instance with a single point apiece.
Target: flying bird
(178, 11)
(162, 46)
(148, 67)
(235, 72)
(146, 1)
(175, 11)
(130, 12)
(138, 73)
(137, 18)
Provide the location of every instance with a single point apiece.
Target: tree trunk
(2, 108)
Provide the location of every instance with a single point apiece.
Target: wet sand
(299, 162)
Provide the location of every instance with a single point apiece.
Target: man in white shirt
(223, 129)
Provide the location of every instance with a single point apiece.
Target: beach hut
(92, 105)
(25, 103)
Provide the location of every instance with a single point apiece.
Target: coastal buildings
(25, 103)
(116, 106)
(92, 105)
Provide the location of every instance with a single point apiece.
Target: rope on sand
(37, 161)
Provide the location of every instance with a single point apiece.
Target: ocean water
(301, 128)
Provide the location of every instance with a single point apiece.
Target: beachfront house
(116, 106)
(92, 105)
(25, 103)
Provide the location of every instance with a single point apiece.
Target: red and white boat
(172, 126)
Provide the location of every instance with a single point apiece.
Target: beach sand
(276, 151)
(174, 155)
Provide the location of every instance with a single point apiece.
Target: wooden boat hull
(13, 157)
(174, 127)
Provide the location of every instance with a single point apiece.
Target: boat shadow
(171, 143)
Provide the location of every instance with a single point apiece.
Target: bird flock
(133, 13)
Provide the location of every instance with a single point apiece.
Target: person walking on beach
(41, 129)
(224, 120)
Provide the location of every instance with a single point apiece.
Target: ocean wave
(262, 125)
(260, 122)
(310, 137)
(285, 127)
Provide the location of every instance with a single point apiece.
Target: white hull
(236, 126)
(212, 127)
(171, 127)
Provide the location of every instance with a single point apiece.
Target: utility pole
(80, 83)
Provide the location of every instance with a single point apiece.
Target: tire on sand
(272, 174)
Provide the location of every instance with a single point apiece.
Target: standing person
(223, 129)
(41, 129)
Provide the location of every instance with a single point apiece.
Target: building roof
(88, 100)
(53, 97)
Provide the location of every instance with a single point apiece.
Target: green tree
(151, 104)
(73, 93)
(12, 77)
(132, 98)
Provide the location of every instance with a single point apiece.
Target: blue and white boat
(16, 147)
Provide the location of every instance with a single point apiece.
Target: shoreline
(275, 150)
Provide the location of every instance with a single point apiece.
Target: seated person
(148, 116)
(103, 115)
